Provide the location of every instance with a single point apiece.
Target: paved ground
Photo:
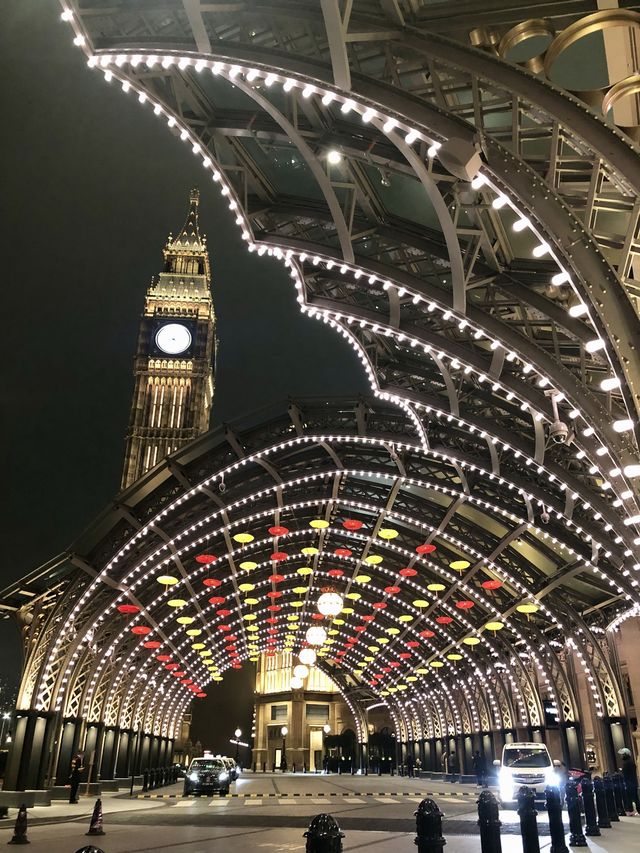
(271, 812)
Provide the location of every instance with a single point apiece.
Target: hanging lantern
(316, 636)
(296, 683)
(308, 656)
(300, 671)
(330, 604)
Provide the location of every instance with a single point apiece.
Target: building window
(279, 712)
(317, 713)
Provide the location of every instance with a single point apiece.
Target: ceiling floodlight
(334, 157)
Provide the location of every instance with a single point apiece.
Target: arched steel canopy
(220, 553)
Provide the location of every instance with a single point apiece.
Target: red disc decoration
(351, 524)
(427, 548)
(231, 648)
(273, 593)
(276, 578)
(231, 638)
(335, 573)
(152, 644)
(140, 630)
(465, 604)
(427, 634)
(224, 627)
(272, 630)
(278, 530)
(128, 608)
(177, 674)
(386, 669)
(360, 628)
(317, 616)
(413, 644)
(236, 666)
(187, 681)
(379, 605)
(211, 582)
(368, 618)
(270, 654)
(408, 573)
(343, 552)
(273, 608)
(392, 590)
(444, 620)
(491, 584)
(404, 655)
(271, 620)
(395, 664)
(279, 556)
(201, 695)
(205, 559)
(171, 665)
(223, 613)
(163, 658)
(217, 599)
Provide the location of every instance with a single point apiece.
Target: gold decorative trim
(607, 19)
(532, 28)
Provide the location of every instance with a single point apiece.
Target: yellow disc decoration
(373, 559)
(393, 631)
(309, 550)
(300, 590)
(353, 596)
(402, 687)
(254, 660)
(206, 653)
(243, 538)
(194, 632)
(249, 617)
(387, 533)
(436, 587)
(304, 571)
(338, 622)
(251, 601)
(494, 626)
(436, 664)
(347, 610)
(382, 640)
(296, 603)
(527, 608)
(246, 587)
(459, 565)
(420, 602)
(196, 646)
(248, 565)
(333, 631)
(384, 692)
(412, 678)
(454, 656)
(369, 659)
(373, 648)
(252, 628)
(362, 578)
(471, 641)
(167, 580)
(292, 617)
(176, 602)
(185, 620)
(318, 523)
(217, 678)
(406, 617)
(422, 671)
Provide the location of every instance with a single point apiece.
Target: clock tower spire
(173, 366)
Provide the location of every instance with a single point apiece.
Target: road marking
(353, 800)
(317, 802)
(184, 803)
(254, 802)
(221, 801)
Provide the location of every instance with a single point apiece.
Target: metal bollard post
(556, 826)
(626, 797)
(323, 835)
(429, 838)
(601, 804)
(589, 807)
(528, 820)
(490, 823)
(618, 794)
(612, 811)
(145, 780)
(576, 835)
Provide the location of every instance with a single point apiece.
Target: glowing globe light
(330, 604)
(300, 671)
(307, 656)
(296, 683)
(316, 635)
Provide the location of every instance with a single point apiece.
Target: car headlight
(193, 777)
(223, 776)
(552, 778)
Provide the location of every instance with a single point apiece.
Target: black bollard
(601, 804)
(429, 838)
(323, 835)
(612, 811)
(490, 823)
(556, 826)
(145, 780)
(589, 805)
(528, 820)
(576, 835)
(20, 828)
(618, 784)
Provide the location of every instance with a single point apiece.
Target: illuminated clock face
(173, 338)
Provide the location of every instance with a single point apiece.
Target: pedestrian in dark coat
(479, 767)
(74, 778)
(630, 775)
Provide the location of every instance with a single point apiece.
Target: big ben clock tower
(173, 367)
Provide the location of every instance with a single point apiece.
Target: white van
(525, 764)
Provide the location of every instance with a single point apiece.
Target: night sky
(91, 185)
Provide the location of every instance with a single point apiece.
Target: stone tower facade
(173, 366)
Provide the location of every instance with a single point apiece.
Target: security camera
(559, 432)
(545, 517)
(222, 488)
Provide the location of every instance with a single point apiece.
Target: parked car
(525, 764)
(206, 776)
(234, 769)
(180, 770)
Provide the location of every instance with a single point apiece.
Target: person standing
(454, 767)
(630, 775)
(74, 778)
(479, 767)
(410, 765)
